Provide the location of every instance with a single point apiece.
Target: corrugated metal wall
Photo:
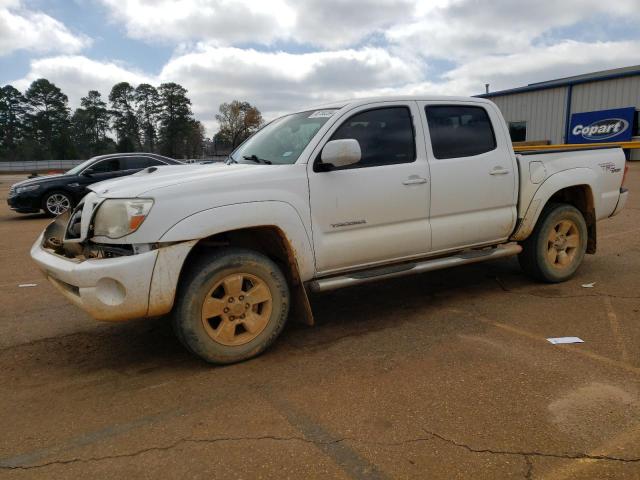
(543, 110)
(617, 93)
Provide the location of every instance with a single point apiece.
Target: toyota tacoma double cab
(325, 198)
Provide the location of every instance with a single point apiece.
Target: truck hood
(154, 178)
(178, 192)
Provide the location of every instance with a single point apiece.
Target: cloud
(540, 63)
(461, 30)
(24, 29)
(306, 52)
(278, 82)
(76, 75)
(219, 20)
(325, 23)
(440, 28)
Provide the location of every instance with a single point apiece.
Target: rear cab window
(459, 131)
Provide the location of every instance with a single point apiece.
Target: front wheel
(56, 203)
(231, 305)
(555, 249)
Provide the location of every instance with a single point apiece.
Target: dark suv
(55, 194)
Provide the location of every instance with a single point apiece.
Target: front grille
(12, 192)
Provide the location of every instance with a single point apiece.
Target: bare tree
(238, 120)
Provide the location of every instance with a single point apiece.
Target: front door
(376, 210)
(473, 175)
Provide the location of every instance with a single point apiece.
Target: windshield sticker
(322, 113)
(286, 154)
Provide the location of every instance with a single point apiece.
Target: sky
(283, 55)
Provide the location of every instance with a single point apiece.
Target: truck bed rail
(569, 147)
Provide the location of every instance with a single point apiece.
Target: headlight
(116, 218)
(27, 188)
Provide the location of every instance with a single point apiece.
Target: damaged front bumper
(113, 289)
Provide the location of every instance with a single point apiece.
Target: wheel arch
(272, 242)
(273, 228)
(577, 187)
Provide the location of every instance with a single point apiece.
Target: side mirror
(88, 172)
(340, 153)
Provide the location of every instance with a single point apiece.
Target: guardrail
(38, 165)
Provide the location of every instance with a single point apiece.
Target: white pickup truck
(329, 197)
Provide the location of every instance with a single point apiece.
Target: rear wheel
(56, 203)
(555, 249)
(231, 306)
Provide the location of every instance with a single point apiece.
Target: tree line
(38, 124)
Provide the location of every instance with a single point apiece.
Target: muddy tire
(56, 203)
(231, 305)
(555, 249)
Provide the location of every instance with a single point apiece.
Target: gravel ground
(444, 375)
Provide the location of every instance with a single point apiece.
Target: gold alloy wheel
(237, 309)
(563, 243)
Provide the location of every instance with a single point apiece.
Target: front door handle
(499, 171)
(414, 181)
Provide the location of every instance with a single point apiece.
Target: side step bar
(380, 273)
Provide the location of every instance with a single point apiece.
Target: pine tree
(97, 114)
(48, 120)
(89, 126)
(148, 109)
(13, 109)
(125, 122)
(175, 119)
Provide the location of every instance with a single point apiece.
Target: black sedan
(55, 194)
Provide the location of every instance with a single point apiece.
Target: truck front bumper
(108, 288)
(116, 289)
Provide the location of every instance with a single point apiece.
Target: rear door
(376, 210)
(473, 175)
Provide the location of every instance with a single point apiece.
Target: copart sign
(615, 125)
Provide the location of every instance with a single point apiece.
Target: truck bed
(598, 169)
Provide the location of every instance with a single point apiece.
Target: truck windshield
(283, 140)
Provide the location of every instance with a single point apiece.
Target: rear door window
(138, 163)
(106, 166)
(459, 131)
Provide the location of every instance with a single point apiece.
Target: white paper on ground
(588, 285)
(560, 340)
(28, 285)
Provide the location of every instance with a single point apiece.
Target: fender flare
(567, 178)
(226, 218)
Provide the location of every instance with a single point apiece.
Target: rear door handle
(414, 181)
(499, 171)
